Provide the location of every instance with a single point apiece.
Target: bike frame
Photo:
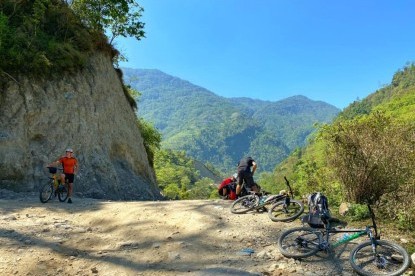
(370, 231)
(55, 184)
(358, 233)
(56, 180)
(276, 198)
(289, 187)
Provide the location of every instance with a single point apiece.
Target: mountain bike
(283, 207)
(54, 187)
(371, 257)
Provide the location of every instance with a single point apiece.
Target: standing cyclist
(70, 168)
(246, 169)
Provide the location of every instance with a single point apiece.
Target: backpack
(231, 191)
(317, 202)
(318, 205)
(232, 195)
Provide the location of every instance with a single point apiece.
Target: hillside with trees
(221, 130)
(365, 156)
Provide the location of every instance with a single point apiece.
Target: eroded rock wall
(86, 111)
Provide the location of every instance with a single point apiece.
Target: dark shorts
(70, 177)
(247, 178)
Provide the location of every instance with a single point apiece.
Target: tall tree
(118, 17)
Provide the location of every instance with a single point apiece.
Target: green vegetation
(366, 156)
(178, 178)
(119, 17)
(221, 131)
(151, 139)
(358, 212)
(38, 37)
(41, 37)
(371, 155)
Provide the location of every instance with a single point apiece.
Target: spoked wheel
(281, 211)
(390, 259)
(244, 204)
(62, 192)
(300, 242)
(45, 192)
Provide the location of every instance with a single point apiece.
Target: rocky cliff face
(86, 111)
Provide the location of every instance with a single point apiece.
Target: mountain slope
(394, 104)
(221, 130)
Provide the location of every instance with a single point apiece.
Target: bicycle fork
(379, 260)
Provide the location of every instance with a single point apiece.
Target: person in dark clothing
(246, 169)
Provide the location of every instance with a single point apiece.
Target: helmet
(69, 149)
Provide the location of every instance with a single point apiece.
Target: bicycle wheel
(283, 212)
(45, 192)
(389, 259)
(62, 192)
(299, 242)
(244, 204)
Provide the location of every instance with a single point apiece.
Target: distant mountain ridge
(221, 130)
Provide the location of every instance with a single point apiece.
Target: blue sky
(332, 51)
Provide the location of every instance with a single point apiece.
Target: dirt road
(93, 237)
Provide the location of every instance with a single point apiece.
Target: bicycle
(283, 208)
(372, 257)
(54, 186)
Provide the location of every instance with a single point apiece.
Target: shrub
(372, 155)
(42, 37)
(358, 212)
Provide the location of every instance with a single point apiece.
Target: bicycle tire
(391, 259)
(299, 242)
(280, 212)
(45, 192)
(244, 204)
(62, 193)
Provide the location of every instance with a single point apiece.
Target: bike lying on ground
(372, 257)
(283, 207)
(54, 186)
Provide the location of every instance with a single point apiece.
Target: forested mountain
(221, 130)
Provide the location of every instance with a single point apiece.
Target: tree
(119, 17)
(151, 139)
(202, 189)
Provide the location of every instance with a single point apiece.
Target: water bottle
(345, 237)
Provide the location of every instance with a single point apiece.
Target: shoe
(69, 200)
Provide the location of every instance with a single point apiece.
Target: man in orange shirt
(70, 168)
